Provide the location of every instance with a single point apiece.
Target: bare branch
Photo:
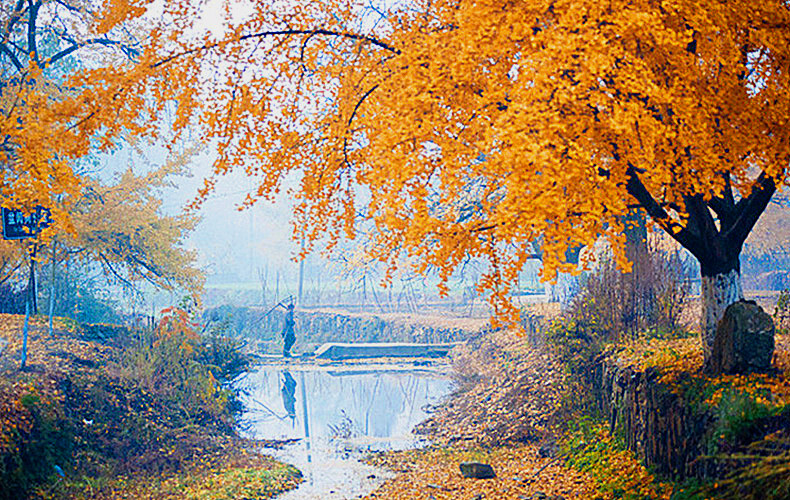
(262, 34)
(10, 53)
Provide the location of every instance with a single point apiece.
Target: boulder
(477, 470)
(744, 341)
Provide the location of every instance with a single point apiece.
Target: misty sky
(232, 244)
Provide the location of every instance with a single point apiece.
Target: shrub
(34, 444)
(221, 353)
(167, 362)
(648, 300)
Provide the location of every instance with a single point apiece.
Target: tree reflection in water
(383, 406)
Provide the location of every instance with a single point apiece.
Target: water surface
(338, 416)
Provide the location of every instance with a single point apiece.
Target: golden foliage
(121, 227)
(456, 129)
(676, 357)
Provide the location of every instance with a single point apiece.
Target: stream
(338, 414)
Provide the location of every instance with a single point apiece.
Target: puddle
(338, 416)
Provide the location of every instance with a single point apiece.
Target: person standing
(289, 337)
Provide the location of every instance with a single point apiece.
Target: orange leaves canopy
(470, 128)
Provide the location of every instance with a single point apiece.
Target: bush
(36, 443)
(648, 300)
(613, 306)
(167, 362)
(222, 354)
(156, 406)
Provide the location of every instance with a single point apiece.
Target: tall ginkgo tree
(476, 128)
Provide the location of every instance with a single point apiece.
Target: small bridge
(336, 351)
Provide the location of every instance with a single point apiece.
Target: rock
(539, 495)
(548, 450)
(477, 470)
(744, 340)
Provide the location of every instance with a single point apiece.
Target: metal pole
(52, 288)
(24, 332)
(28, 304)
(32, 282)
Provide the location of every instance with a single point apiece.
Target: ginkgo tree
(40, 43)
(118, 225)
(475, 128)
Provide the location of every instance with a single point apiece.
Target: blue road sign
(17, 225)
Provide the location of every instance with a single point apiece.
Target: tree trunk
(718, 291)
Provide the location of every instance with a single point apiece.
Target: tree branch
(681, 234)
(14, 60)
(724, 205)
(750, 208)
(32, 17)
(352, 36)
(16, 15)
(95, 41)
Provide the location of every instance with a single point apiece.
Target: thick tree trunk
(718, 292)
(714, 232)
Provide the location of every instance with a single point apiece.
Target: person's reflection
(289, 395)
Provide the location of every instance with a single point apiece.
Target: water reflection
(340, 416)
(289, 395)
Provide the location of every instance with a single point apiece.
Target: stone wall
(317, 327)
(663, 430)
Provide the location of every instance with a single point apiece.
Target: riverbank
(509, 413)
(550, 430)
(104, 413)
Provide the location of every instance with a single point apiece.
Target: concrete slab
(336, 350)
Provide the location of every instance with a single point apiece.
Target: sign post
(17, 226)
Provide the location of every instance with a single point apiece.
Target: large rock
(744, 340)
(477, 470)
